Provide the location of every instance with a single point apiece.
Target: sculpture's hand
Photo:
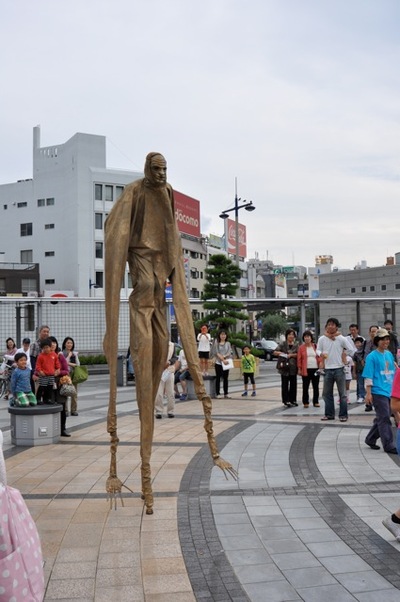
(226, 467)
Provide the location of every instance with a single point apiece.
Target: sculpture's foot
(148, 501)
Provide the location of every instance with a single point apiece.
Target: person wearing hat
(26, 345)
(379, 374)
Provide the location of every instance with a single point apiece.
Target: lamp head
(223, 215)
(250, 206)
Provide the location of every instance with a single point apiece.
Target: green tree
(221, 285)
(274, 325)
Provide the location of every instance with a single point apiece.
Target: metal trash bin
(121, 371)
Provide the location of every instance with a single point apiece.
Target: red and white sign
(187, 214)
(230, 234)
(59, 294)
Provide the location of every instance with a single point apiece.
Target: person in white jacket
(166, 386)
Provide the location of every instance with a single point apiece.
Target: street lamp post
(92, 285)
(236, 208)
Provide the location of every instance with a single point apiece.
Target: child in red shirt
(47, 368)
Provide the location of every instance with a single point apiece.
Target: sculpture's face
(158, 169)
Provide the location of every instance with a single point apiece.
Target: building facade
(56, 220)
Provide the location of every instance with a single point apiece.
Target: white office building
(56, 218)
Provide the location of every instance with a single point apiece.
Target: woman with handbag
(68, 350)
(286, 353)
(222, 352)
(58, 398)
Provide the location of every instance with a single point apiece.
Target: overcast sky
(298, 99)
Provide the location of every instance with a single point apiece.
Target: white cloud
(299, 100)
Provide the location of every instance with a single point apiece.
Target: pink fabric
(396, 384)
(21, 563)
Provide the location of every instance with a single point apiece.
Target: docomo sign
(187, 214)
(231, 238)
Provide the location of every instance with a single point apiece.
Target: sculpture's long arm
(186, 331)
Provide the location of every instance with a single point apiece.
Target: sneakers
(394, 528)
(253, 394)
(218, 397)
(368, 409)
(360, 400)
(171, 415)
(183, 397)
(159, 416)
(244, 394)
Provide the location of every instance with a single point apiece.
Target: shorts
(204, 354)
(247, 376)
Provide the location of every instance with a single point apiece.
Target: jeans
(332, 376)
(382, 426)
(313, 378)
(360, 386)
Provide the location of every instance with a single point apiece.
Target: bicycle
(5, 377)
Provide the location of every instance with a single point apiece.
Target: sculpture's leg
(149, 350)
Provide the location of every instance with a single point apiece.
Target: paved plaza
(302, 522)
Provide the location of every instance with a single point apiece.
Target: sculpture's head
(155, 170)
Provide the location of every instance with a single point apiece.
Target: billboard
(230, 233)
(187, 214)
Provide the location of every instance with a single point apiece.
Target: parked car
(268, 346)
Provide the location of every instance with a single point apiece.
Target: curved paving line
(209, 570)
(347, 525)
(211, 575)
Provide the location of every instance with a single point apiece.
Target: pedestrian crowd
(40, 371)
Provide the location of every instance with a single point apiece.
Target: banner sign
(231, 238)
(187, 214)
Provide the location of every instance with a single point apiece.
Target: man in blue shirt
(379, 374)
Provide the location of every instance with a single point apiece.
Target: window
(98, 221)
(26, 229)
(49, 226)
(99, 250)
(338, 291)
(5, 206)
(28, 284)
(26, 256)
(372, 288)
(98, 192)
(363, 289)
(24, 204)
(50, 201)
(49, 253)
(50, 281)
(383, 287)
(129, 280)
(2, 285)
(352, 290)
(109, 193)
(41, 202)
(118, 191)
(397, 286)
(99, 279)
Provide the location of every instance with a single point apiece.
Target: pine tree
(221, 285)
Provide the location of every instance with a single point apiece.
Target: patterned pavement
(303, 521)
